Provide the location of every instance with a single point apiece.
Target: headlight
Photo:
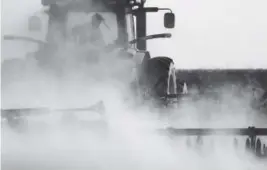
(34, 23)
(143, 1)
(50, 2)
(47, 2)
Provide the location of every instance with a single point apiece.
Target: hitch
(253, 143)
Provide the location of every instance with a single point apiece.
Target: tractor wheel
(155, 76)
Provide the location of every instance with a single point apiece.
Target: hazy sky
(214, 33)
(208, 33)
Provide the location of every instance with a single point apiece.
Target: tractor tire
(155, 76)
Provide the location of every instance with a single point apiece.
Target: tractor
(125, 22)
(122, 28)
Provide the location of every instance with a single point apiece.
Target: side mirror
(169, 20)
(34, 24)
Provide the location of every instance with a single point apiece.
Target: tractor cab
(86, 21)
(122, 22)
(113, 24)
(105, 25)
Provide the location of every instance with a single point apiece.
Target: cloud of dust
(128, 137)
(129, 140)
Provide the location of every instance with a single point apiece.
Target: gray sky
(208, 33)
(214, 33)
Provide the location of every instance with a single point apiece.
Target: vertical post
(56, 22)
(122, 30)
(264, 150)
(258, 148)
(248, 144)
(235, 144)
(188, 142)
(141, 27)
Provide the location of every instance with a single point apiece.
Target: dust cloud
(126, 137)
